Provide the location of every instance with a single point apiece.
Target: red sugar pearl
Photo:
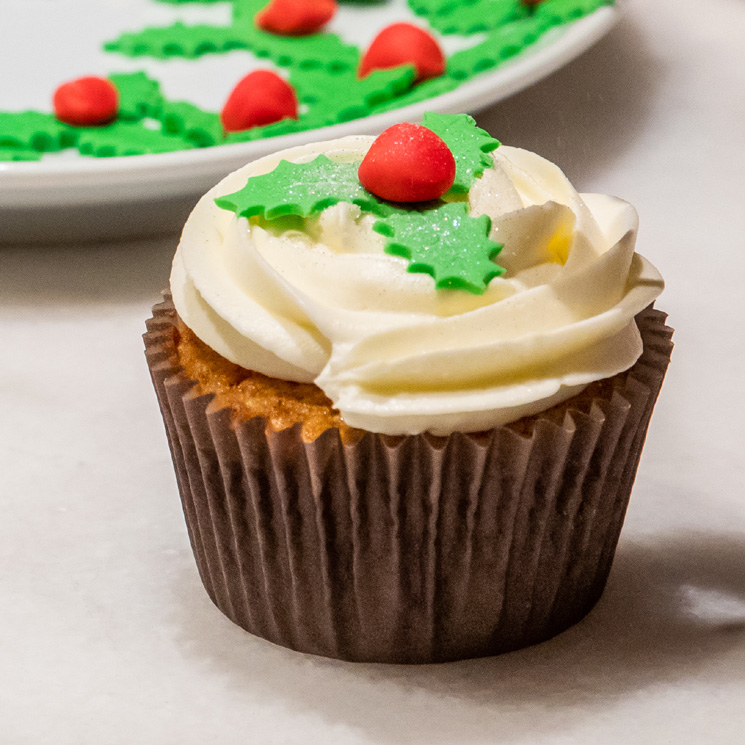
(262, 97)
(401, 44)
(87, 101)
(295, 17)
(408, 163)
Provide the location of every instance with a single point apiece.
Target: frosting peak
(327, 304)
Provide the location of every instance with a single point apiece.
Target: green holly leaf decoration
(469, 144)
(139, 95)
(446, 243)
(303, 189)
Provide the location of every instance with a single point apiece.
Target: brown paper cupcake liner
(408, 549)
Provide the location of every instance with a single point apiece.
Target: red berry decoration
(408, 163)
(262, 97)
(404, 44)
(87, 101)
(295, 17)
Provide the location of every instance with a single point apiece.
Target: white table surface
(106, 634)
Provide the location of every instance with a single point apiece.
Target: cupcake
(406, 419)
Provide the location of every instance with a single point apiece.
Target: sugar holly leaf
(446, 243)
(303, 189)
(469, 144)
(202, 128)
(139, 95)
(122, 138)
(343, 96)
(33, 130)
(177, 40)
(7, 153)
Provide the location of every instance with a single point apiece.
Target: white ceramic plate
(53, 198)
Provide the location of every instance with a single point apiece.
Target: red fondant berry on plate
(262, 97)
(295, 17)
(408, 163)
(86, 101)
(402, 44)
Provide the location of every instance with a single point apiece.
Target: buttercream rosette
(328, 305)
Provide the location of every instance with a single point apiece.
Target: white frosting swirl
(394, 354)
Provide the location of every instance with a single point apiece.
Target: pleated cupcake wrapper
(406, 549)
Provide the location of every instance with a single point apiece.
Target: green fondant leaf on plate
(34, 130)
(343, 97)
(139, 95)
(18, 154)
(201, 128)
(127, 138)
